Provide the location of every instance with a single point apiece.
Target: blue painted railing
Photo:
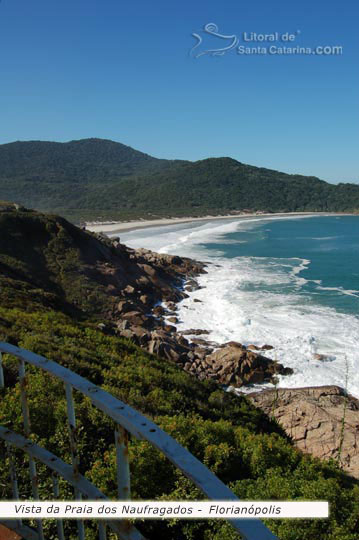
(127, 420)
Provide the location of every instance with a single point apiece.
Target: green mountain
(95, 178)
(87, 160)
(52, 299)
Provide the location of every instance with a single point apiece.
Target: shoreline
(109, 227)
(195, 313)
(246, 370)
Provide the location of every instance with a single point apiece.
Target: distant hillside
(87, 160)
(95, 178)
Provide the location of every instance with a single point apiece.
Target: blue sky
(122, 71)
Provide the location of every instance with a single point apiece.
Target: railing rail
(60, 468)
(127, 420)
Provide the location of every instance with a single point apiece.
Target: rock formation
(322, 421)
(145, 288)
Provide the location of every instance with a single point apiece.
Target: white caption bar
(163, 510)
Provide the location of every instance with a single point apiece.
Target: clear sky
(121, 70)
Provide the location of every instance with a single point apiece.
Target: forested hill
(95, 178)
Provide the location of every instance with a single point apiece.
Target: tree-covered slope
(96, 178)
(87, 160)
(223, 184)
(238, 442)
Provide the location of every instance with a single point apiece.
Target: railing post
(24, 402)
(123, 467)
(102, 531)
(127, 420)
(74, 451)
(2, 382)
(56, 492)
(13, 477)
(27, 431)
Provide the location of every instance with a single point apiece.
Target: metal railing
(127, 420)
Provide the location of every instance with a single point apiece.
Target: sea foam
(259, 300)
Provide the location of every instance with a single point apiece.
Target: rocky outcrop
(146, 287)
(143, 279)
(235, 365)
(231, 364)
(194, 332)
(322, 421)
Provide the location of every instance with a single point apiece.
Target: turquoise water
(329, 244)
(289, 282)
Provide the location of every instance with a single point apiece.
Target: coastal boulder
(322, 421)
(125, 306)
(236, 366)
(194, 332)
(171, 306)
(158, 311)
(267, 347)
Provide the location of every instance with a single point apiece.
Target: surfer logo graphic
(212, 30)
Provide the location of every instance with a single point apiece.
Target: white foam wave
(260, 300)
(341, 290)
(188, 239)
(181, 238)
(290, 322)
(325, 237)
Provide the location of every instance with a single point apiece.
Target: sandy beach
(111, 227)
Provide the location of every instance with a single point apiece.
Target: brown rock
(254, 377)
(123, 325)
(201, 353)
(149, 270)
(169, 328)
(125, 306)
(192, 286)
(313, 417)
(194, 332)
(159, 311)
(141, 333)
(129, 315)
(320, 357)
(204, 342)
(144, 283)
(182, 341)
(234, 344)
(127, 333)
(235, 365)
(136, 318)
(171, 306)
(129, 290)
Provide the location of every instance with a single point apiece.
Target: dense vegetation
(239, 443)
(98, 179)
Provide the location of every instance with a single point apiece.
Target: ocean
(289, 282)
